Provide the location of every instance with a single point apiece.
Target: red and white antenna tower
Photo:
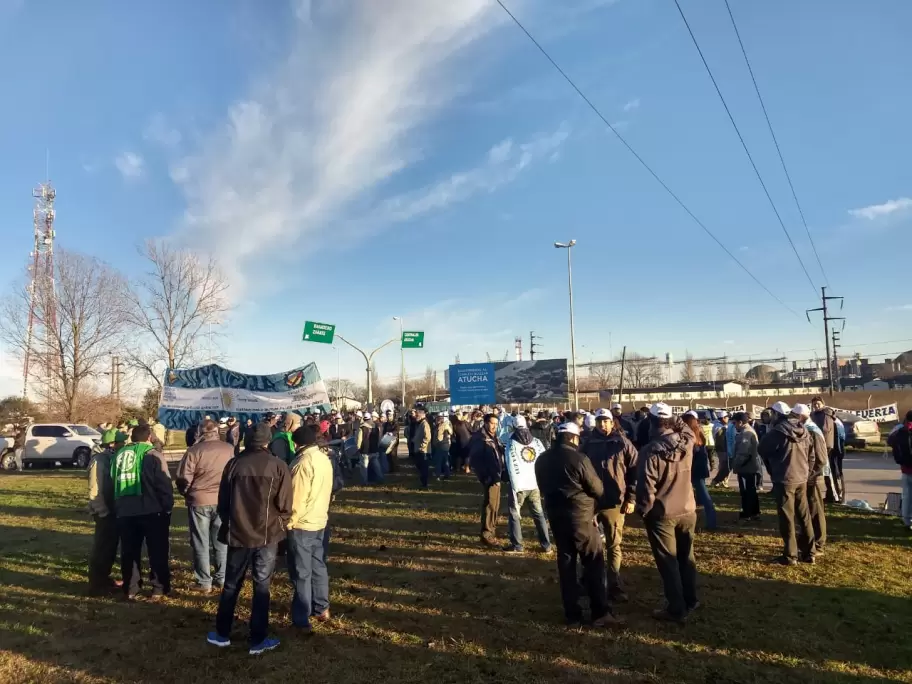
(42, 317)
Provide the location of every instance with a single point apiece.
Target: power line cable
(776, 143)
(744, 145)
(642, 162)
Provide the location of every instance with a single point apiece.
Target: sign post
(318, 332)
(413, 339)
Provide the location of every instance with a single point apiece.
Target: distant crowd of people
(255, 493)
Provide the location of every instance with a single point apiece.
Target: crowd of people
(256, 491)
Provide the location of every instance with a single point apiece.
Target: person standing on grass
(785, 453)
(572, 489)
(368, 443)
(282, 446)
(411, 420)
(665, 500)
(520, 456)
(816, 489)
(720, 439)
(825, 418)
(441, 441)
(254, 504)
(143, 499)
(488, 461)
(700, 470)
(462, 436)
(101, 506)
(312, 480)
(615, 461)
(900, 441)
(421, 445)
(745, 463)
(199, 475)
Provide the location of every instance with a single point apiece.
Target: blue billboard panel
(472, 384)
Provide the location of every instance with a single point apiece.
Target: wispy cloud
(130, 165)
(900, 307)
(632, 105)
(876, 211)
(504, 162)
(329, 125)
(159, 132)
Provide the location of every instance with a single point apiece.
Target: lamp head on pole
(564, 245)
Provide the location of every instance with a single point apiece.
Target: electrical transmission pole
(826, 328)
(532, 345)
(834, 336)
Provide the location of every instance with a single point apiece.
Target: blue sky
(350, 161)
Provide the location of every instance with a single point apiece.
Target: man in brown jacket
(198, 478)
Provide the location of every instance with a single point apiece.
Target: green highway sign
(412, 340)
(318, 332)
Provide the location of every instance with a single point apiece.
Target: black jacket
(541, 430)
(642, 432)
(255, 499)
(487, 457)
(569, 484)
(615, 461)
(785, 451)
(461, 434)
(664, 483)
(190, 435)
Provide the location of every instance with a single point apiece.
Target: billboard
(509, 382)
(188, 395)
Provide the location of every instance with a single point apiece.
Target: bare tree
(707, 372)
(604, 376)
(722, 370)
(736, 373)
(172, 308)
(689, 373)
(641, 371)
(78, 325)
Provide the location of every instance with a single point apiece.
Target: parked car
(860, 432)
(49, 443)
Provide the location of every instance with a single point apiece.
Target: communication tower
(42, 316)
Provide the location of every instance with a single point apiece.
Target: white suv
(46, 443)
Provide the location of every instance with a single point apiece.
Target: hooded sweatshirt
(744, 459)
(664, 489)
(282, 446)
(784, 450)
(615, 461)
(520, 456)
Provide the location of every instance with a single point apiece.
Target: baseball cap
(781, 408)
(616, 405)
(723, 414)
(520, 422)
(661, 410)
(570, 427)
(801, 410)
(223, 419)
(589, 421)
(692, 413)
(121, 437)
(109, 437)
(360, 414)
(603, 413)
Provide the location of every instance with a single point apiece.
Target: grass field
(417, 599)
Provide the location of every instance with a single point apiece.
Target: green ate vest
(126, 467)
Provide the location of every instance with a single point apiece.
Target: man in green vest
(143, 499)
(101, 506)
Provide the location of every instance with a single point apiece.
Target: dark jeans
(153, 530)
(792, 507)
(701, 492)
(816, 509)
(672, 541)
(514, 520)
(441, 460)
(262, 564)
(490, 509)
(307, 570)
(724, 470)
(424, 466)
(750, 500)
(613, 523)
(104, 553)
(204, 528)
(836, 474)
(580, 540)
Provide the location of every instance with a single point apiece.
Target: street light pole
(568, 246)
(402, 359)
(367, 358)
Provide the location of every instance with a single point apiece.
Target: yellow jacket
(311, 488)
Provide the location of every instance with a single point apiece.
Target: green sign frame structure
(413, 339)
(318, 332)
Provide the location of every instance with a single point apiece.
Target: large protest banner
(188, 395)
(879, 414)
(509, 382)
